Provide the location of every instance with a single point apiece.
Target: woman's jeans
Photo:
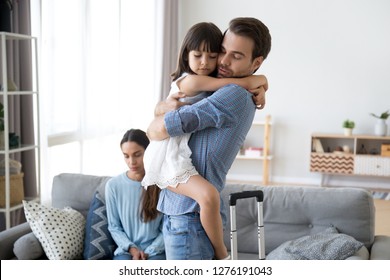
(185, 238)
(127, 256)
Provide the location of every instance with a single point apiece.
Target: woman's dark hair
(135, 135)
(203, 32)
(256, 30)
(148, 205)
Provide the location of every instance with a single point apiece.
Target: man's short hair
(254, 29)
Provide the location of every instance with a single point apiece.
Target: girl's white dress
(168, 162)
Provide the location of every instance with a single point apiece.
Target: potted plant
(381, 126)
(348, 126)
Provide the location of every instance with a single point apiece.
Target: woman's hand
(137, 254)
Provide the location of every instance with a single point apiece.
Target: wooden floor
(382, 217)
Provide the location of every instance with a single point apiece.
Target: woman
(133, 220)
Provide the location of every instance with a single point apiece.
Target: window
(96, 81)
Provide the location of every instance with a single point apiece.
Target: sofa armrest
(8, 238)
(380, 249)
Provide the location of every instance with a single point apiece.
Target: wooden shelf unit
(6, 92)
(363, 159)
(266, 157)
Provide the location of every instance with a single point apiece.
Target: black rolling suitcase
(260, 223)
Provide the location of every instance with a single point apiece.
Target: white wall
(330, 60)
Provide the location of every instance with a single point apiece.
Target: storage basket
(385, 150)
(16, 189)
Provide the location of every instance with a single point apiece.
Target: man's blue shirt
(219, 125)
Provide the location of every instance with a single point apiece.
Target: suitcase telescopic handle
(233, 197)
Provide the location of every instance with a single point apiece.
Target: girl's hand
(259, 96)
(256, 81)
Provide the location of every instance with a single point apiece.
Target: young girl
(168, 162)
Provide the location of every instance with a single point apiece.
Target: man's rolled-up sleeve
(173, 123)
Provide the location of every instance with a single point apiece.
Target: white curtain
(98, 65)
(167, 48)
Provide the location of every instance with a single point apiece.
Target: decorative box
(253, 152)
(16, 189)
(385, 150)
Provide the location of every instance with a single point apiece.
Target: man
(219, 125)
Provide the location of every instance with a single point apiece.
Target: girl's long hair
(203, 32)
(148, 203)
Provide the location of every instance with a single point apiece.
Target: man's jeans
(185, 238)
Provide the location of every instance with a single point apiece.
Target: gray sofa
(290, 214)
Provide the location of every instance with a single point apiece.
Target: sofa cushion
(76, 190)
(326, 245)
(8, 238)
(28, 247)
(361, 254)
(60, 231)
(98, 243)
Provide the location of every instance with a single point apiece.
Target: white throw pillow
(60, 231)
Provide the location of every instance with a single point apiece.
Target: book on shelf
(317, 146)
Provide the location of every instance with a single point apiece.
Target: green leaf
(384, 115)
(348, 124)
